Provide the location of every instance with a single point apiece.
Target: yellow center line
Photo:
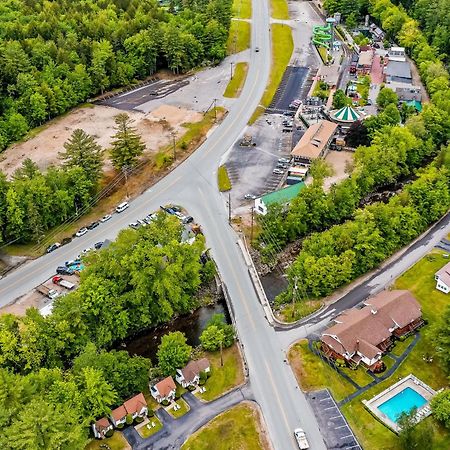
(79, 247)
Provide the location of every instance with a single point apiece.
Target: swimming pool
(404, 401)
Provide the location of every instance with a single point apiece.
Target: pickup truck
(60, 281)
(47, 292)
(300, 436)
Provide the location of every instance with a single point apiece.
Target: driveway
(176, 431)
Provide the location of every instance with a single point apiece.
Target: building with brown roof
(190, 374)
(363, 335)
(118, 415)
(365, 61)
(136, 406)
(101, 427)
(442, 277)
(164, 390)
(314, 143)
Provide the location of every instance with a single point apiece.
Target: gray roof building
(398, 71)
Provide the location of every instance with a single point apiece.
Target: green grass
(301, 309)
(235, 85)
(223, 378)
(147, 432)
(223, 179)
(282, 47)
(115, 442)
(359, 376)
(323, 53)
(242, 9)
(279, 9)
(236, 429)
(182, 411)
(401, 346)
(239, 37)
(312, 373)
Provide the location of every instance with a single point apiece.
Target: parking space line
(342, 426)
(331, 407)
(348, 435)
(335, 417)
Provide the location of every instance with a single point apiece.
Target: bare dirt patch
(155, 129)
(339, 161)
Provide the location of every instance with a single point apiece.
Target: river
(146, 343)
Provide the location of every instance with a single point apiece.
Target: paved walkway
(176, 431)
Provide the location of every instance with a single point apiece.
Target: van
(122, 207)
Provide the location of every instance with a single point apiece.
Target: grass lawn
(239, 37)
(279, 9)
(242, 9)
(223, 179)
(236, 429)
(282, 47)
(312, 373)
(301, 309)
(359, 376)
(323, 53)
(145, 432)
(115, 442)
(224, 378)
(235, 85)
(182, 411)
(401, 346)
(151, 402)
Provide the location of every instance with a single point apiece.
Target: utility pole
(229, 208)
(125, 172)
(251, 229)
(294, 295)
(231, 70)
(215, 110)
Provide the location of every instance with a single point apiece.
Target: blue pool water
(404, 401)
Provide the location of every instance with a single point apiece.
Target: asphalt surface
(193, 185)
(175, 431)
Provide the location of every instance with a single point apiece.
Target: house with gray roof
(442, 277)
(398, 71)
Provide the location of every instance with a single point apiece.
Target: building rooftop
(119, 413)
(165, 386)
(444, 274)
(315, 139)
(400, 69)
(135, 404)
(283, 195)
(193, 369)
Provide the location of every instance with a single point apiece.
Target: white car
(105, 218)
(122, 207)
(278, 171)
(300, 437)
(81, 232)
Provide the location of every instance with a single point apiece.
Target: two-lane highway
(193, 185)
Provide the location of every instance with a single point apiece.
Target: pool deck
(409, 381)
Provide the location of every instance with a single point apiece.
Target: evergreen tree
(127, 145)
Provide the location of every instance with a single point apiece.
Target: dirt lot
(155, 128)
(339, 161)
(35, 299)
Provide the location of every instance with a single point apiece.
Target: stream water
(146, 343)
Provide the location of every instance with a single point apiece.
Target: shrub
(183, 145)
(109, 433)
(201, 382)
(120, 426)
(139, 419)
(178, 393)
(129, 419)
(150, 413)
(165, 403)
(191, 388)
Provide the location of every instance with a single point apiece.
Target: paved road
(193, 184)
(176, 431)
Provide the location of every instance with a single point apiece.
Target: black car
(61, 270)
(188, 219)
(53, 247)
(99, 245)
(93, 225)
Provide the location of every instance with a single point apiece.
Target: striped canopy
(346, 114)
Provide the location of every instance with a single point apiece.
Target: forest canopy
(56, 55)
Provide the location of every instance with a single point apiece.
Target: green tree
(81, 150)
(412, 436)
(386, 97)
(173, 353)
(127, 145)
(440, 405)
(340, 99)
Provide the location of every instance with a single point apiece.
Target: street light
(173, 134)
(231, 70)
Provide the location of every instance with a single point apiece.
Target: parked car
(300, 437)
(81, 232)
(278, 171)
(47, 292)
(283, 160)
(134, 225)
(61, 270)
(53, 247)
(289, 113)
(98, 245)
(105, 218)
(72, 262)
(249, 197)
(60, 281)
(122, 207)
(93, 225)
(188, 219)
(142, 222)
(256, 49)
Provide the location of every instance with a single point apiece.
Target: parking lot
(333, 426)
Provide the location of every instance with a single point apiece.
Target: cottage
(101, 427)
(398, 72)
(314, 143)
(190, 374)
(282, 196)
(363, 335)
(442, 277)
(164, 390)
(118, 415)
(136, 406)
